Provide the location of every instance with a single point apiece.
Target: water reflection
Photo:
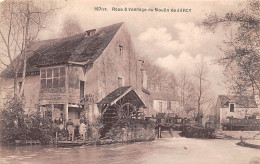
(179, 150)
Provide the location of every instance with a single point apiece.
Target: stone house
(166, 106)
(235, 106)
(71, 76)
(164, 102)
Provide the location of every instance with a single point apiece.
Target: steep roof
(240, 101)
(125, 94)
(76, 48)
(114, 95)
(166, 96)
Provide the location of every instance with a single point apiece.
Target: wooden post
(52, 110)
(66, 113)
(56, 136)
(159, 132)
(231, 123)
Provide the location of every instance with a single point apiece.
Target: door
(82, 83)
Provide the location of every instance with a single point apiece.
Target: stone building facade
(63, 75)
(235, 106)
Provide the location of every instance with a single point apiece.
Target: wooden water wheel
(126, 110)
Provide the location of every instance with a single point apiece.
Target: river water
(161, 151)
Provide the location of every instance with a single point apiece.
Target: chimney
(90, 32)
(143, 75)
(144, 79)
(121, 82)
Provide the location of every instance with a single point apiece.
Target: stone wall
(174, 106)
(238, 113)
(139, 134)
(114, 64)
(31, 91)
(135, 130)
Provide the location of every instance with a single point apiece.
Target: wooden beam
(122, 95)
(105, 110)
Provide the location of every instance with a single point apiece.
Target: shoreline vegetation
(18, 128)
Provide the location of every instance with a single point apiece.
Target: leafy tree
(241, 51)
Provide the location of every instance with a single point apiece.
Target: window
(169, 105)
(160, 106)
(53, 77)
(121, 50)
(232, 107)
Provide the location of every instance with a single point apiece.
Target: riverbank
(235, 135)
(96, 142)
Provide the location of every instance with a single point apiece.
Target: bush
(40, 128)
(13, 125)
(197, 132)
(16, 125)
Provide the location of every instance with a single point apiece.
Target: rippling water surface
(174, 150)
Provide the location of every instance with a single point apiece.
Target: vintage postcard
(140, 81)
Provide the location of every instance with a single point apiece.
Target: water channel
(160, 151)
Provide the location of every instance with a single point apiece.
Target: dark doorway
(82, 83)
(232, 107)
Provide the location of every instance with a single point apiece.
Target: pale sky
(172, 40)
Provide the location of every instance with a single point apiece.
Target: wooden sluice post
(159, 132)
(56, 137)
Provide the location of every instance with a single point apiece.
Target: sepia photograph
(129, 82)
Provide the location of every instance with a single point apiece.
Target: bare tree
(71, 26)
(242, 50)
(200, 74)
(186, 92)
(21, 21)
(203, 96)
(183, 82)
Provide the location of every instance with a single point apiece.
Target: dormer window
(121, 50)
(232, 107)
(90, 32)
